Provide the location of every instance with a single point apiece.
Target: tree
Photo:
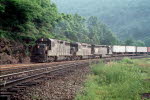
(139, 43)
(129, 42)
(27, 18)
(32, 19)
(147, 42)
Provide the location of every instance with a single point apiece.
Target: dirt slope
(12, 52)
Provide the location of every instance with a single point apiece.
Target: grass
(123, 80)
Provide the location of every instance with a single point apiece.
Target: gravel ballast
(63, 86)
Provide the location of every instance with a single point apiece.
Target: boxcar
(141, 50)
(118, 49)
(148, 50)
(130, 49)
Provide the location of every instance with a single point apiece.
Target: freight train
(49, 50)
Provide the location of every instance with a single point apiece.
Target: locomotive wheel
(67, 58)
(51, 59)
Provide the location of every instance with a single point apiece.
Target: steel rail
(8, 75)
(35, 76)
(40, 69)
(32, 65)
(23, 72)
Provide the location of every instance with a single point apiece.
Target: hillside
(20, 27)
(126, 18)
(42, 19)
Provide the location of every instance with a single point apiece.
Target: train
(50, 50)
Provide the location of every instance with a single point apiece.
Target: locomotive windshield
(45, 41)
(39, 53)
(39, 49)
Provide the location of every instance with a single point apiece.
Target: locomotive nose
(39, 53)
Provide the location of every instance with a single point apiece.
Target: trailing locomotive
(49, 50)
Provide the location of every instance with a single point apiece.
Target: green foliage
(127, 18)
(123, 80)
(139, 43)
(32, 19)
(27, 18)
(77, 28)
(133, 42)
(147, 42)
(2, 8)
(129, 42)
(127, 60)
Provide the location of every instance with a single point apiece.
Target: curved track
(17, 77)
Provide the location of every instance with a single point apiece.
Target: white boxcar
(118, 49)
(130, 49)
(141, 49)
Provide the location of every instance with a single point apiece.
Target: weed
(123, 80)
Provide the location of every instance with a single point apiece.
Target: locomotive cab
(39, 53)
(40, 50)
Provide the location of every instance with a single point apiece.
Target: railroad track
(20, 76)
(11, 83)
(19, 67)
(29, 71)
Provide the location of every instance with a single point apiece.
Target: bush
(122, 80)
(127, 60)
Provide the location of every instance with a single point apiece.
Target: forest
(27, 20)
(128, 19)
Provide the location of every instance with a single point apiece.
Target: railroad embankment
(58, 86)
(12, 52)
(123, 80)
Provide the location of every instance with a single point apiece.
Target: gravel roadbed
(58, 87)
